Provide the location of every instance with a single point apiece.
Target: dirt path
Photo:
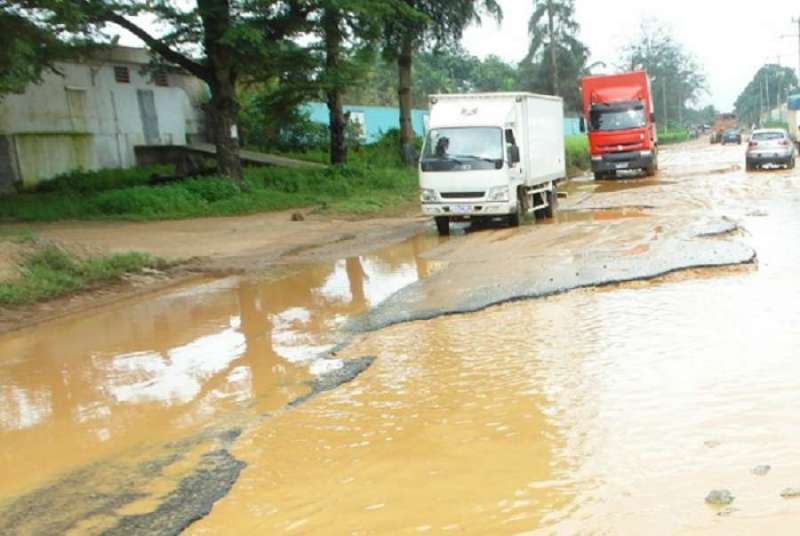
(207, 247)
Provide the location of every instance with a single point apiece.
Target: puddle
(585, 413)
(163, 367)
(599, 215)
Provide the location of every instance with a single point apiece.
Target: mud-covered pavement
(597, 374)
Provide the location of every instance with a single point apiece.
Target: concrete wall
(86, 119)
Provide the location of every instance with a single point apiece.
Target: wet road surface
(601, 410)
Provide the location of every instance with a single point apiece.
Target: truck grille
(621, 147)
(462, 195)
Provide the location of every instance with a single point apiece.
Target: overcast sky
(730, 39)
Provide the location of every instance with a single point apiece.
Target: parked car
(770, 146)
(732, 135)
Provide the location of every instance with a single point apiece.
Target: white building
(94, 115)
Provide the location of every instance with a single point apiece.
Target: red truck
(618, 110)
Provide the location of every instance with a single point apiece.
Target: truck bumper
(469, 209)
(622, 161)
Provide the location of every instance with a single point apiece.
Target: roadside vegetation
(48, 271)
(374, 181)
(674, 135)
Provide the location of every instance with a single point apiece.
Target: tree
(440, 22)
(350, 30)
(27, 49)
(769, 88)
(218, 41)
(677, 78)
(553, 28)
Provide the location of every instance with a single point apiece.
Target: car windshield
(620, 117)
(463, 149)
(766, 136)
(732, 132)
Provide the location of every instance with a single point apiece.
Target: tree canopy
(768, 88)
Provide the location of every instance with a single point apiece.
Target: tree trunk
(404, 98)
(553, 47)
(331, 23)
(216, 15)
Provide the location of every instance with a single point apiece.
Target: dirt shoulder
(208, 247)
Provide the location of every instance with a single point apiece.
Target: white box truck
(489, 155)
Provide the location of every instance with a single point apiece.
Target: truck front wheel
(518, 216)
(442, 225)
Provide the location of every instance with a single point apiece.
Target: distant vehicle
(732, 135)
(770, 146)
(722, 123)
(622, 132)
(490, 155)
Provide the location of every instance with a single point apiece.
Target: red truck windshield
(604, 118)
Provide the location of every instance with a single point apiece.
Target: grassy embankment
(47, 271)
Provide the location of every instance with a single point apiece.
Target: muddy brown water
(600, 411)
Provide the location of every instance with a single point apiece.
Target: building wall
(377, 119)
(86, 119)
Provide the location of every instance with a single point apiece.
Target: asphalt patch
(507, 272)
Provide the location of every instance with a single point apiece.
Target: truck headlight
(427, 195)
(498, 193)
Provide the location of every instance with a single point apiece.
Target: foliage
(578, 158)
(81, 182)
(49, 271)
(768, 88)
(675, 135)
(556, 58)
(267, 123)
(677, 78)
(374, 173)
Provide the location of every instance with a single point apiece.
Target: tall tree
(441, 22)
(768, 88)
(678, 79)
(553, 31)
(218, 41)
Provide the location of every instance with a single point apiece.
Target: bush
(82, 182)
(676, 135)
(50, 271)
(578, 158)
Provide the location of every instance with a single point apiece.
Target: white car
(770, 146)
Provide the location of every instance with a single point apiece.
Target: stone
(790, 493)
(298, 217)
(719, 497)
(761, 470)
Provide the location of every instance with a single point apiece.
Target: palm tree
(552, 26)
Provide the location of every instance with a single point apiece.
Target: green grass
(362, 188)
(577, 154)
(49, 272)
(675, 135)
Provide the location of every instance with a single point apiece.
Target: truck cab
(618, 111)
(478, 163)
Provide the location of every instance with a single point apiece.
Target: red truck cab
(618, 110)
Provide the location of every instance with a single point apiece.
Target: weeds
(49, 272)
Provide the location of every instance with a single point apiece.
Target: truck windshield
(463, 149)
(620, 117)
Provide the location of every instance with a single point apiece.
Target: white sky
(731, 39)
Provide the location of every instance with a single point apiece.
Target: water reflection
(160, 367)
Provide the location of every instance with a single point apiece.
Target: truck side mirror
(513, 154)
(582, 125)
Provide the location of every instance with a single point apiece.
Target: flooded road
(610, 410)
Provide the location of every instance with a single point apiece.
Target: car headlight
(498, 193)
(427, 195)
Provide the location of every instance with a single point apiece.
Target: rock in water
(761, 470)
(790, 493)
(719, 497)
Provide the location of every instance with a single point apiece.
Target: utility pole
(797, 21)
(664, 93)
